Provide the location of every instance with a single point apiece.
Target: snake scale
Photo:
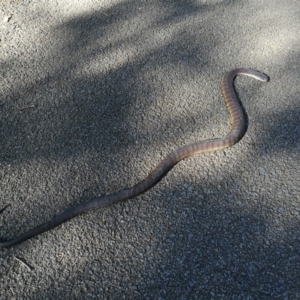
(236, 132)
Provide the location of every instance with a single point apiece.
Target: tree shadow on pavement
(204, 244)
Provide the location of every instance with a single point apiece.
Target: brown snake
(236, 132)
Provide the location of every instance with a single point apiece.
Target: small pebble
(7, 18)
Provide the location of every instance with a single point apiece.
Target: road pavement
(93, 94)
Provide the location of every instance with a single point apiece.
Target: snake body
(236, 132)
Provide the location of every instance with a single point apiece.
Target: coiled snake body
(235, 134)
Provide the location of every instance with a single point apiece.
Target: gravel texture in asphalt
(93, 94)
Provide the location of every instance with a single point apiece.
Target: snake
(237, 131)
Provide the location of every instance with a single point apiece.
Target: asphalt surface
(93, 94)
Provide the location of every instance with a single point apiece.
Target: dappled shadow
(204, 239)
(75, 109)
(200, 246)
